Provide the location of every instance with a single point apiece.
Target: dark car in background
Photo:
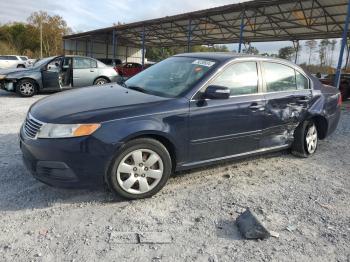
(344, 85)
(55, 74)
(187, 111)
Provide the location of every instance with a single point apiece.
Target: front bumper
(8, 85)
(68, 163)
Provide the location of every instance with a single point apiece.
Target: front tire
(305, 139)
(26, 88)
(141, 169)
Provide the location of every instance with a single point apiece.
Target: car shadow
(228, 163)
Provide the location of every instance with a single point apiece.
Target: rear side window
(241, 78)
(83, 63)
(279, 77)
(11, 58)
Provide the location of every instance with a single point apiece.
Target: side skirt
(186, 166)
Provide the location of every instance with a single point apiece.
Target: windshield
(171, 77)
(23, 58)
(42, 62)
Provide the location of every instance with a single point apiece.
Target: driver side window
(55, 65)
(241, 78)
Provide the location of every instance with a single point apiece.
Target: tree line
(24, 38)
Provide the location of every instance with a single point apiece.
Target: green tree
(286, 52)
(53, 28)
(251, 50)
(311, 44)
(323, 51)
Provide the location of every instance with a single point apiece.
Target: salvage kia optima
(186, 111)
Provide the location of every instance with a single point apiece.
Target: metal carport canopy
(261, 21)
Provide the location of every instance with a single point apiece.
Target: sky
(84, 15)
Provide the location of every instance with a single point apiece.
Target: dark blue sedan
(187, 111)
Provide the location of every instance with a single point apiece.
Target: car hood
(13, 70)
(94, 105)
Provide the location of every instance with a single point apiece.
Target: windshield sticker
(203, 63)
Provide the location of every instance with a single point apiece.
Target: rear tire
(305, 139)
(101, 81)
(26, 88)
(140, 170)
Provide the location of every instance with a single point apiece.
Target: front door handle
(257, 107)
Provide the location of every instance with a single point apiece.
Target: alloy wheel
(101, 82)
(140, 171)
(27, 88)
(311, 139)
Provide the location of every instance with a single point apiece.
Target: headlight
(2, 77)
(65, 131)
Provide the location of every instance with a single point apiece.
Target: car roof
(224, 56)
(227, 56)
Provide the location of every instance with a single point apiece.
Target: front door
(224, 127)
(51, 75)
(85, 71)
(287, 99)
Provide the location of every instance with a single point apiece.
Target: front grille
(32, 126)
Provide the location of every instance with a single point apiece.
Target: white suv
(13, 61)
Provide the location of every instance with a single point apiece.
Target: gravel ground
(306, 201)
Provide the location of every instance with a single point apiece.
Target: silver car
(56, 74)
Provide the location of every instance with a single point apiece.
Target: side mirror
(217, 92)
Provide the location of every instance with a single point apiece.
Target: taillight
(340, 100)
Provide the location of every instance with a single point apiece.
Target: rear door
(85, 71)
(226, 127)
(287, 95)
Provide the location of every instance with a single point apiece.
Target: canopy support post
(91, 47)
(76, 47)
(64, 46)
(114, 43)
(241, 34)
(143, 47)
(343, 43)
(189, 35)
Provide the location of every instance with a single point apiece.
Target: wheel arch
(29, 78)
(102, 76)
(321, 125)
(160, 137)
